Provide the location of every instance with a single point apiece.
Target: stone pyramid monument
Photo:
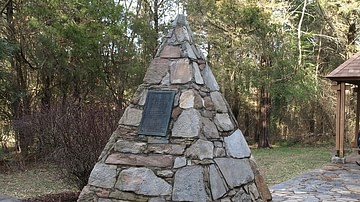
(178, 140)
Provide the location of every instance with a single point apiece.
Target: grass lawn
(282, 163)
(33, 181)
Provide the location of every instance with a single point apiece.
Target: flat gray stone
(219, 152)
(180, 162)
(217, 184)
(182, 34)
(254, 193)
(242, 196)
(209, 128)
(189, 185)
(196, 51)
(143, 96)
(125, 146)
(236, 171)
(219, 102)
(187, 99)
(180, 72)
(158, 199)
(209, 79)
(157, 70)
(131, 117)
(166, 80)
(142, 181)
(223, 122)
(188, 124)
(153, 160)
(236, 145)
(103, 175)
(197, 74)
(201, 149)
(4, 198)
(171, 52)
(165, 173)
(189, 51)
(104, 200)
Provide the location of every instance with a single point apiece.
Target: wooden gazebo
(346, 73)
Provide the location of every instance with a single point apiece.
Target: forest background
(69, 68)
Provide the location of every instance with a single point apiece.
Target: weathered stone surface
(209, 105)
(175, 149)
(176, 112)
(236, 171)
(189, 185)
(197, 74)
(165, 173)
(157, 140)
(241, 195)
(188, 124)
(156, 71)
(104, 200)
(201, 149)
(236, 145)
(198, 101)
(254, 193)
(187, 99)
(131, 117)
(223, 122)
(218, 101)
(130, 147)
(103, 193)
(217, 184)
(262, 188)
(219, 152)
(166, 80)
(143, 97)
(207, 114)
(189, 51)
(140, 160)
(182, 34)
(86, 195)
(103, 175)
(180, 162)
(209, 79)
(196, 51)
(128, 196)
(170, 52)
(180, 72)
(142, 181)
(157, 199)
(209, 128)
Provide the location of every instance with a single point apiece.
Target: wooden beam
(337, 87)
(342, 119)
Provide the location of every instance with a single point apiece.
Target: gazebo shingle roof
(349, 71)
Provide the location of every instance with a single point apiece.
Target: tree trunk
(22, 105)
(264, 121)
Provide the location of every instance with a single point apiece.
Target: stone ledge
(140, 160)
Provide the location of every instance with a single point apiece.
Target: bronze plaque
(157, 112)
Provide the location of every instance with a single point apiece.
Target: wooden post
(337, 137)
(342, 120)
(357, 117)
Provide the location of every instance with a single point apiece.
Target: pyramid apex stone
(180, 20)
